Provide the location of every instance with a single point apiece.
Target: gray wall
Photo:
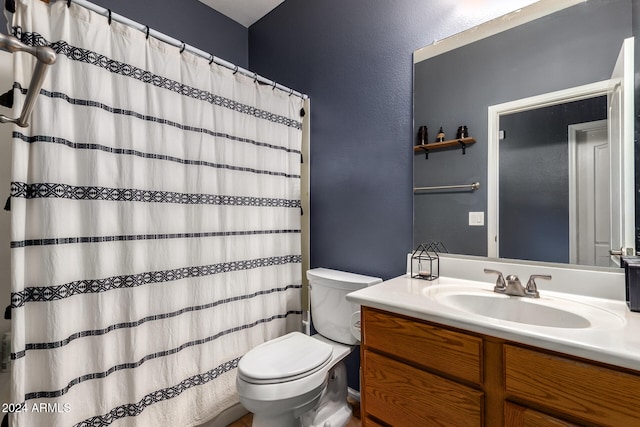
(576, 46)
(189, 20)
(354, 58)
(355, 64)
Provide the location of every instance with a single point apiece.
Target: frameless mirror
(526, 206)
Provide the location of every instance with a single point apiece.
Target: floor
(354, 422)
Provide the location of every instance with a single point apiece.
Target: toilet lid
(289, 357)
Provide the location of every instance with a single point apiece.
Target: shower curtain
(155, 203)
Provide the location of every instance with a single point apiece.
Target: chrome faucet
(512, 286)
(532, 290)
(501, 285)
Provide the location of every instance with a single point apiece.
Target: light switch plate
(476, 218)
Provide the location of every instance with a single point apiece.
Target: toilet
(301, 380)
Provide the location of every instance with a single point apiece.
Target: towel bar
(473, 186)
(46, 56)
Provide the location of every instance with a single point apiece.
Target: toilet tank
(331, 313)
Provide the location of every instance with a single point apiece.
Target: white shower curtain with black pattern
(155, 207)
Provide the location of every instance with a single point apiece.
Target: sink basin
(515, 309)
(544, 311)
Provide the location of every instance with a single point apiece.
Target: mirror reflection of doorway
(534, 181)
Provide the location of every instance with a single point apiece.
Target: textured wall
(354, 59)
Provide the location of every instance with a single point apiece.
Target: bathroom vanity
(426, 361)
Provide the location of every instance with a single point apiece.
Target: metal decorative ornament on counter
(428, 260)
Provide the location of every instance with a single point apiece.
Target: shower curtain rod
(177, 43)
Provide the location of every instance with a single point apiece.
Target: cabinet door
(519, 416)
(401, 395)
(581, 390)
(444, 350)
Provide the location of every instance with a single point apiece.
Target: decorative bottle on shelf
(440, 136)
(463, 132)
(422, 135)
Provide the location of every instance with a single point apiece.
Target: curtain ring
(109, 16)
(236, 70)
(290, 92)
(147, 37)
(211, 60)
(274, 85)
(183, 47)
(255, 77)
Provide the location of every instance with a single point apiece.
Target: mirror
(539, 53)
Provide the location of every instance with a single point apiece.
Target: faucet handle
(501, 285)
(532, 288)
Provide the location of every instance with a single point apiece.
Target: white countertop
(617, 344)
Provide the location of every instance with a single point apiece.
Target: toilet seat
(288, 358)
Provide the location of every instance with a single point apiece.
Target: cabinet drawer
(588, 392)
(401, 395)
(519, 416)
(450, 352)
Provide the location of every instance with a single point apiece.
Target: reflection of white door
(621, 149)
(589, 214)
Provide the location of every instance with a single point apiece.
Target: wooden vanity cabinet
(417, 373)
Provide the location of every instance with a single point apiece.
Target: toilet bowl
(300, 380)
(299, 366)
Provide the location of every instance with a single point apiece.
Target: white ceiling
(245, 12)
